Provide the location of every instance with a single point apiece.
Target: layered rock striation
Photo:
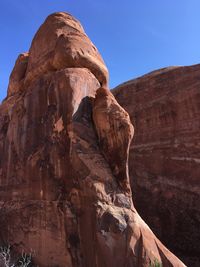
(164, 156)
(64, 146)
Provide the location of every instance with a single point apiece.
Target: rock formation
(64, 144)
(165, 155)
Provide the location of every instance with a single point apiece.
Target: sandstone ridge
(164, 156)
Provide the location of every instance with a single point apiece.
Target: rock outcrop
(165, 155)
(57, 45)
(115, 133)
(64, 145)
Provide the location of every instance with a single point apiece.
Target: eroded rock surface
(165, 155)
(17, 76)
(64, 143)
(115, 133)
(65, 46)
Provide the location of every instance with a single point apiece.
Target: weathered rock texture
(64, 144)
(165, 155)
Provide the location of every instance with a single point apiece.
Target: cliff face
(64, 145)
(165, 155)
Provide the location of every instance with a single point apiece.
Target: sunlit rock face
(64, 146)
(59, 43)
(165, 155)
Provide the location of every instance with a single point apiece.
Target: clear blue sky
(133, 36)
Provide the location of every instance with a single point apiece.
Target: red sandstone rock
(35, 165)
(115, 133)
(18, 74)
(65, 46)
(61, 194)
(164, 157)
